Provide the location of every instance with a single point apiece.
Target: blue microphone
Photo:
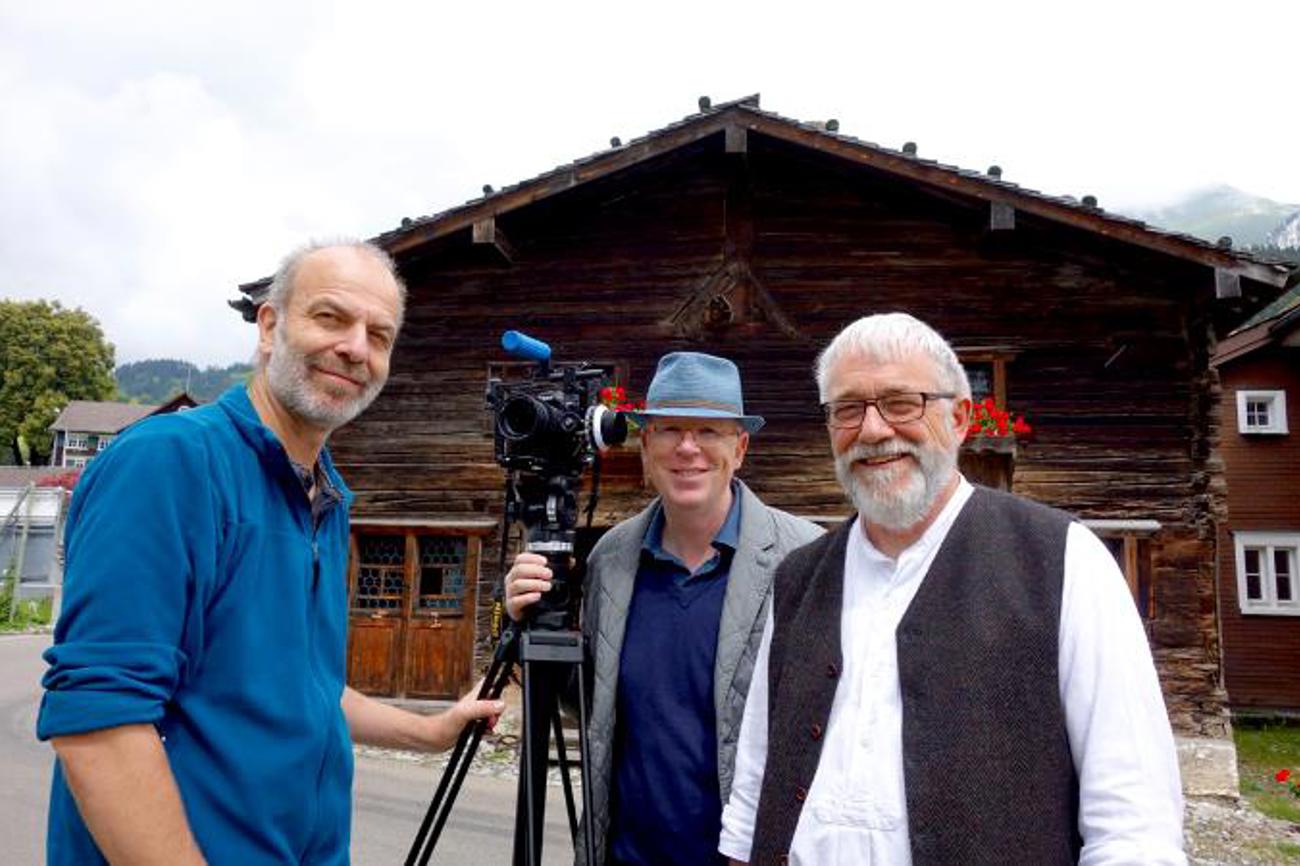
(521, 345)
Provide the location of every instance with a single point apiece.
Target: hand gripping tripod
(550, 652)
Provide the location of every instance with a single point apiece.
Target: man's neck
(892, 542)
(689, 533)
(302, 441)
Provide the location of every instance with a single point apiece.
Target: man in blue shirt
(195, 696)
(673, 610)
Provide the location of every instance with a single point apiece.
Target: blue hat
(695, 385)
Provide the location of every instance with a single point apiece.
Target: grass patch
(24, 613)
(1261, 752)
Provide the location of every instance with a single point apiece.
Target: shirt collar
(728, 535)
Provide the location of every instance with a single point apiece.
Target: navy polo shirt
(667, 808)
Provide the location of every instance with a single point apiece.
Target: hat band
(695, 404)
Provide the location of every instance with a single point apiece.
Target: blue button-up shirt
(667, 807)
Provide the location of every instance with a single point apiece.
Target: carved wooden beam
(488, 234)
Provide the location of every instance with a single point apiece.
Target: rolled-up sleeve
(141, 535)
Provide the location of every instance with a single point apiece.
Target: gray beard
(897, 508)
(287, 378)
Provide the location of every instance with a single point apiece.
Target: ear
(961, 413)
(266, 321)
(742, 447)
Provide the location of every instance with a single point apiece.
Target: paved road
(390, 795)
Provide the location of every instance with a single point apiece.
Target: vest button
(783, 859)
(800, 794)
(832, 671)
(815, 730)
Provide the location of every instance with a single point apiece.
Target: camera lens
(519, 417)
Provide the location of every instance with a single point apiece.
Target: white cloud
(154, 155)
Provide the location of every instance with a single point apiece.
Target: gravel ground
(1220, 833)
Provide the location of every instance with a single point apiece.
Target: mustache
(356, 372)
(863, 451)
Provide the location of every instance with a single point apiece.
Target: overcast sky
(153, 155)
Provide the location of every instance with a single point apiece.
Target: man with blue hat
(674, 607)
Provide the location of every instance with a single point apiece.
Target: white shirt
(1131, 805)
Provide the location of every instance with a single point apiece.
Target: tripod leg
(494, 683)
(560, 752)
(538, 694)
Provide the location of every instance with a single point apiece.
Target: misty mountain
(1211, 213)
(158, 380)
(1287, 234)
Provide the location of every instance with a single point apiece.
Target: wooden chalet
(1259, 542)
(744, 233)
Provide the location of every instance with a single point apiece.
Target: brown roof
(743, 116)
(93, 416)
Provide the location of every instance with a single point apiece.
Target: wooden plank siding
(1261, 652)
(1108, 346)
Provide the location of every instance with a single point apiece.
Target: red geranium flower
(1283, 775)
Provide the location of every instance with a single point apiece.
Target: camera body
(547, 430)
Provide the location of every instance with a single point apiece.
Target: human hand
(447, 725)
(527, 579)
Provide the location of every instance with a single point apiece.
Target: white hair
(891, 337)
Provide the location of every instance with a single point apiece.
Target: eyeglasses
(901, 408)
(670, 435)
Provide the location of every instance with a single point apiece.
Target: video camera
(547, 430)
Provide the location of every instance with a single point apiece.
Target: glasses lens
(845, 414)
(897, 408)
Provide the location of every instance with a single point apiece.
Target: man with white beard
(955, 675)
(196, 693)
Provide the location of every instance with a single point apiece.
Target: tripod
(550, 653)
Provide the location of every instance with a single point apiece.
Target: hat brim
(750, 423)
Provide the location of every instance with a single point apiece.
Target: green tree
(48, 356)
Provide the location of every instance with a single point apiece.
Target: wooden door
(379, 598)
(439, 651)
(413, 595)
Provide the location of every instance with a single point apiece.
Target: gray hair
(282, 283)
(888, 337)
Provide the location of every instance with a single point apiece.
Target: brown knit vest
(987, 767)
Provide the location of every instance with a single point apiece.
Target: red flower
(1283, 775)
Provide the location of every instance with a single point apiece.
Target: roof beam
(487, 234)
(1002, 216)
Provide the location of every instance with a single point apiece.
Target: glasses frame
(656, 433)
(927, 397)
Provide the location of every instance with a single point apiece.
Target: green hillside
(158, 380)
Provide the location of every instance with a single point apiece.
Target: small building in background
(1259, 542)
(86, 427)
(32, 506)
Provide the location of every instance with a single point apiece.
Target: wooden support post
(488, 234)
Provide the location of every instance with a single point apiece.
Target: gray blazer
(766, 536)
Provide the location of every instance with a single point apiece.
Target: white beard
(288, 376)
(883, 501)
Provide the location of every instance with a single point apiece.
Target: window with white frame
(77, 442)
(1261, 412)
(1266, 572)
(103, 442)
(75, 462)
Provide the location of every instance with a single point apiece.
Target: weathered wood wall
(1109, 347)
(1261, 663)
